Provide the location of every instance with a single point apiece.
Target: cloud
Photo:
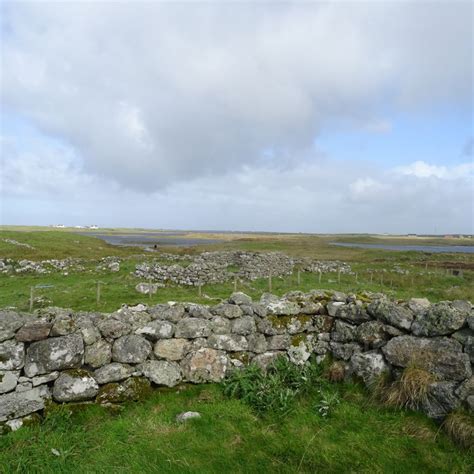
(420, 169)
(153, 94)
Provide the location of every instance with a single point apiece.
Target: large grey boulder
(12, 355)
(244, 325)
(257, 343)
(220, 325)
(10, 322)
(131, 349)
(113, 329)
(173, 313)
(374, 334)
(90, 334)
(391, 313)
(343, 332)
(283, 308)
(18, 404)
(440, 356)
(63, 325)
(42, 379)
(114, 372)
(353, 313)
(205, 365)
(240, 298)
(226, 310)
(8, 380)
(279, 342)
(57, 353)
(228, 342)
(35, 330)
(162, 372)
(418, 305)
(440, 400)
(440, 319)
(157, 329)
(333, 307)
(343, 351)
(74, 386)
(191, 328)
(171, 349)
(98, 354)
(368, 366)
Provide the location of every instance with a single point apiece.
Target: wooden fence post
(97, 299)
(235, 283)
(298, 277)
(32, 296)
(319, 277)
(199, 289)
(269, 282)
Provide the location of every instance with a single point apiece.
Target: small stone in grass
(187, 415)
(55, 452)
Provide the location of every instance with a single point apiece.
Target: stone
(323, 323)
(132, 349)
(259, 310)
(187, 415)
(171, 349)
(205, 365)
(240, 298)
(133, 389)
(10, 322)
(24, 386)
(352, 313)
(440, 356)
(320, 347)
(257, 343)
(75, 386)
(56, 353)
(147, 288)
(343, 351)
(244, 325)
(343, 332)
(193, 327)
(299, 354)
(440, 400)
(441, 319)
(8, 380)
(466, 389)
(12, 355)
(339, 297)
(220, 325)
(172, 313)
(157, 329)
(418, 305)
(369, 366)
(283, 308)
(470, 322)
(226, 310)
(391, 313)
(333, 307)
(228, 342)
(267, 359)
(90, 334)
(34, 331)
(114, 372)
(63, 325)
(279, 342)
(375, 334)
(113, 329)
(19, 404)
(42, 379)
(162, 372)
(98, 354)
(199, 311)
(311, 308)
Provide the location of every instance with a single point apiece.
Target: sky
(324, 117)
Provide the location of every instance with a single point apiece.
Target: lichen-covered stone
(279, 342)
(171, 349)
(42, 379)
(343, 351)
(12, 355)
(114, 372)
(157, 329)
(257, 343)
(228, 342)
(391, 313)
(63, 325)
(353, 313)
(10, 322)
(8, 380)
(440, 356)
(113, 328)
(226, 310)
(162, 372)
(205, 365)
(240, 298)
(244, 325)
(98, 354)
(440, 319)
(220, 325)
(343, 332)
(56, 353)
(440, 400)
(131, 349)
(35, 330)
(283, 308)
(18, 404)
(299, 354)
(374, 334)
(133, 389)
(267, 358)
(333, 307)
(75, 386)
(368, 366)
(191, 328)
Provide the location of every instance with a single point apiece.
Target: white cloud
(421, 169)
(153, 93)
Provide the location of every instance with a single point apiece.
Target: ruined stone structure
(64, 356)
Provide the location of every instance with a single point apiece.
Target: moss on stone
(282, 322)
(297, 339)
(242, 357)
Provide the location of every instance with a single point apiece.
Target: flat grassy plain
(377, 270)
(359, 435)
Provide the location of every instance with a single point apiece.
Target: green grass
(77, 290)
(230, 437)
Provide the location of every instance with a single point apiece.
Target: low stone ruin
(57, 355)
(219, 267)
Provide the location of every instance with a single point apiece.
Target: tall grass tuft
(460, 427)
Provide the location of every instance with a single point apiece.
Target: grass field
(358, 436)
(376, 270)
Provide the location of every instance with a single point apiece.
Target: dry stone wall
(63, 356)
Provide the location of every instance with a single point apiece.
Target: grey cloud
(152, 94)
